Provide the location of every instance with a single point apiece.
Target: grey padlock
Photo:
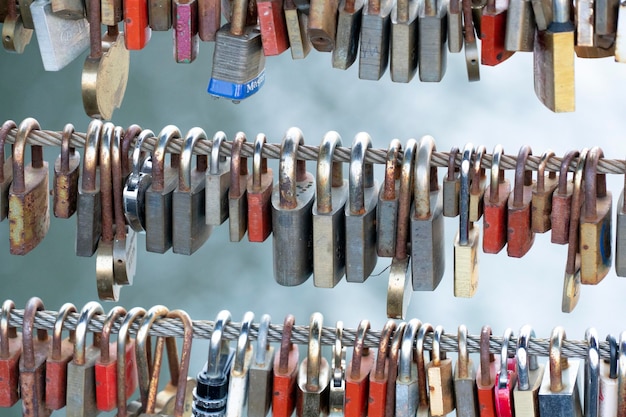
(432, 49)
(375, 30)
(455, 26)
(387, 207)
(407, 390)
(337, 395)
(465, 379)
(360, 212)
(136, 185)
(313, 375)
(348, 33)
(238, 191)
(292, 204)
(404, 36)
(520, 26)
(261, 372)
(217, 183)
(238, 384)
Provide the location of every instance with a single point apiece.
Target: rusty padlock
(495, 209)
(379, 378)
(61, 354)
(562, 201)
(387, 208)
(6, 170)
(357, 374)
(259, 186)
(10, 352)
(285, 373)
(520, 236)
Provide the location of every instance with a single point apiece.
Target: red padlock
(285, 373)
(137, 31)
(506, 380)
(486, 376)
(56, 364)
(273, 27)
(357, 375)
(561, 202)
(493, 33)
(379, 379)
(394, 353)
(496, 209)
(10, 352)
(259, 186)
(520, 236)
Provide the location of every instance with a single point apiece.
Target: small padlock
(285, 373)
(558, 395)
(297, 22)
(592, 374)
(29, 217)
(506, 380)
(237, 193)
(466, 240)
(520, 26)
(273, 27)
(323, 24)
(66, 173)
(375, 30)
(495, 206)
(348, 33)
(455, 26)
(15, 36)
(136, 24)
(609, 381)
(472, 56)
(337, 394)
(123, 374)
(394, 354)
(360, 213)
(432, 50)
(520, 236)
(478, 185)
(260, 374)
(10, 352)
(329, 223)
(136, 185)
(406, 382)
(209, 19)
(562, 201)
(56, 364)
(529, 376)
(217, 183)
(189, 228)
(6, 170)
(158, 196)
(404, 41)
(238, 381)
(185, 22)
(451, 186)
(542, 196)
(379, 377)
(357, 375)
(427, 227)
(259, 193)
(595, 223)
(465, 379)
(486, 376)
(81, 379)
(292, 204)
(493, 33)
(440, 379)
(387, 207)
(313, 375)
(423, 404)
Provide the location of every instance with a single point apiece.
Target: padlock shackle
(4, 131)
(592, 372)
(452, 168)
(523, 177)
(478, 173)
(106, 187)
(217, 345)
(468, 25)
(6, 330)
(262, 340)
(243, 345)
(259, 163)
(486, 357)
(285, 344)
(392, 169)
(556, 341)
(564, 169)
(185, 357)
(463, 359)
(314, 353)
(158, 156)
(128, 137)
(149, 401)
(193, 137)
(216, 146)
(407, 355)
(142, 343)
(614, 351)
(595, 184)
(57, 333)
(238, 18)
(326, 171)
(86, 314)
(464, 195)
(238, 166)
(289, 167)
(28, 348)
(91, 152)
(339, 355)
(359, 349)
(133, 314)
(66, 149)
(137, 160)
(117, 176)
(361, 176)
(383, 349)
(525, 361)
(26, 127)
(421, 363)
(105, 351)
(541, 168)
(573, 249)
(423, 178)
(497, 174)
(503, 375)
(404, 199)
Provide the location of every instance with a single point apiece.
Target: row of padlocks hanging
(321, 225)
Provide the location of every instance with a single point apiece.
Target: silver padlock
(238, 384)
(609, 380)
(136, 185)
(407, 390)
(432, 49)
(360, 213)
(237, 193)
(465, 379)
(313, 375)
(387, 208)
(592, 374)
(261, 371)
(375, 30)
(620, 230)
(529, 376)
(404, 40)
(336, 397)
(217, 183)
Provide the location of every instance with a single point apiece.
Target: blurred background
(310, 94)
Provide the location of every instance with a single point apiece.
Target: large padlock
(608, 380)
(29, 217)
(348, 33)
(542, 195)
(89, 210)
(520, 236)
(261, 370)
(337, 394)
(451, 186)
(237, 198)
(122, 373)
(238, 381)
(6, 170)
(478, 186)
(285, 373)
(292, 204)
(406, 382)
(495, 206)
(427, 226)
(313, 375)
(66, 173)
(486, 376)
(106, 364)
(595, 223)
(592, 374)
(357, 375)
(329, 223)
(432, 50)
(465, 379)
(387, 208)
(558, 395)
(259, 193)
(375, 30)
(379, 377)
(217, 183)
(506, 379)
(440, 378)
(404, 41)
(360, 213)
(562, 201)
(56, 364)
(189, 228)
(529, 376)
(424, 400)
(158, 197)
(10, 352)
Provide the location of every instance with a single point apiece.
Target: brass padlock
(440, 378)
(541, 206)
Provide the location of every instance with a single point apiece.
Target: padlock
(329, 223)
(387, 207)
(590, 43)
(337, 392)
(553, 61)
(15, 36)
(592, 374)
(423, 404)
(440, 378)
(465, 379)
(69, 9)
(486, 376)
(472, 56)
(29, 217)
(541, 206)
(285, 373)
(297, 22)
(520, 236)
(427, 227)
(432, 50)
(466, 240)
(406, 382)
(238, 59)
(404, 41)
(66, 173)
(478, 185)
(451, 186)
(158, 196)
(595, 223)
(217, 183)
(455, 26)
(400, 283)
(136, 24)
(562, 201)
(357, 375)
(323, 24)
(558, 395)
(260, 374)
(89, 209)
(273, 27)
(56, 364)
(506, 380)
(478, 6)
(520, 26)
(608, 381)
(123, 374)
(160, 15)
(313, 375)
(493, 33)
(606, 14)
(394, 354)
(6, 170)
(10, 352)
(81, 379)
(495, 206)
(237, 193)
(210, 394)
(238, 381)
(136, 185)
(259, 194)
(379, 377)
(32, 364)
(375, 29)
(209, 19)
(529, 376)
(348, 33)
(571, 278)
(292, 224)
(360, 213)
(189, 228)
(542, 10)
(186, 45)
(111, 12)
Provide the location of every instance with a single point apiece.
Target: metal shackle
(329, 173)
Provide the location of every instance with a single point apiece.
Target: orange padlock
(379, 379)
(357, 374)
(285, 373)
(273, 26)
(137, 31)
(496, 213)
(56, 364)
(493, 33)
(10, 352)
(486, 376)
(259, 186)
(562, 202)
(520, 236)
